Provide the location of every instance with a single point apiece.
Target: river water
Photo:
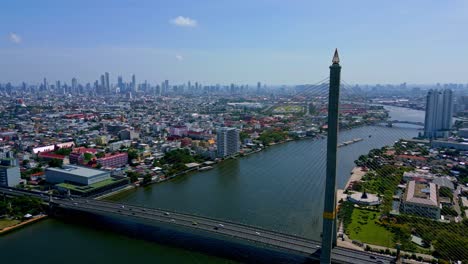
(280, 188)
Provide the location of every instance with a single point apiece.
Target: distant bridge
(290, 243)
(391, 122)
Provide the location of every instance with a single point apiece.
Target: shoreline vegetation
(130, 187)
(321, 135)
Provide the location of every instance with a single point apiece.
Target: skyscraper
(45, 85)
(227, 141)
(134, 88)
(120, 82)
(74, 88)
(102, 87)
(439, 111)
(107, 86)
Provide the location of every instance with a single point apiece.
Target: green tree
(147, 178)
(87, 156)
(132, 175)
(63, 151)
(56, 163)
(100, 155)
(448, 211)
(178, 156)
(446, 192)
(243, 135)
(132, 154)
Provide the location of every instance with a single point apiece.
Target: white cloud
(184, 21)
(15, 38)
(179, 57)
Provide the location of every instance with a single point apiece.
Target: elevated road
(290, 243)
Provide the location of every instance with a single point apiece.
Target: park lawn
(363, 228)
(6, 223)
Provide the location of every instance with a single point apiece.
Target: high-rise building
(102, 87)
(58, 87)
(439, 111)
(74, 88)
(9, 170)
(134, 88)
(120, 82)
(227, 141)
(45, 85)
(107, 90)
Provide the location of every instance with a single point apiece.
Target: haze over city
(276, 42)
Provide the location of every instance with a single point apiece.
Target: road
(281, 241)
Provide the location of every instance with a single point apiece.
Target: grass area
(6, 223)
(288, 109)
(365, 229)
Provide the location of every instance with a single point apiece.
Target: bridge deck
(290, 243)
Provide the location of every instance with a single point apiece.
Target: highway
(243, 232)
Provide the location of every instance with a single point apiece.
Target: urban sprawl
(93, 140)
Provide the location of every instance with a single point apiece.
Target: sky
(242, 41)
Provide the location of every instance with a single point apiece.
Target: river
(280, 188)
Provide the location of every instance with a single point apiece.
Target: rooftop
(420, 193)
(88, 188)
(77, 170)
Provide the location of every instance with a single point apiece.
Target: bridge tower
(329, 210)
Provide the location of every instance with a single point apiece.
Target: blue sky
(241, 41)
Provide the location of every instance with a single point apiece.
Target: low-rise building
(75, 175)
(114, 161)
(421, 199)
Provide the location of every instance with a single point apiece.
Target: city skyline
(241, 42)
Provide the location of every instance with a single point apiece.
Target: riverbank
(356, 175)
(194, 170)
(21, 224)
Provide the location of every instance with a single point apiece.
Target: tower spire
(336, 58)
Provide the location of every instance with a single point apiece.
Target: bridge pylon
(329, 210)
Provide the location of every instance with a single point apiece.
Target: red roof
(412, 157)
(84, 150)
(109, 156)
(50, 155)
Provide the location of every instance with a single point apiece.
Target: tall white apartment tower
(439, 111)
(228, 142)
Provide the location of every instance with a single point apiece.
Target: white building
(227, 141)
(439, 111)
(75, 175)
(9, 170)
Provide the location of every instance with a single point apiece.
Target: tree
(132, 154)
(147, 178)
(63, 151)
(100, 155)
(25, 162)
(451, 246)
(87, 156)
(243, 135)
(446, 192)
(132, 175)
(448, 211)
(178, 156)
(56, 163)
